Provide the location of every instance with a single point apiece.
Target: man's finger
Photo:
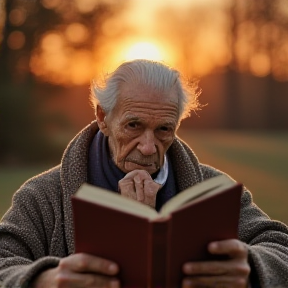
(139, 188)
(217, 268)
(205, 268)
(232, 247)
(86, 263)
(150, 192)
(127, 188)
(88, 280)
(214, 282)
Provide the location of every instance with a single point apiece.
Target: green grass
(258, 159)
(11, 179)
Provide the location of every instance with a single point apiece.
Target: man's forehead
(130, 116)
(146, 93)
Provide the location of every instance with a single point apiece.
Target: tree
(258, 34)
(27, 25)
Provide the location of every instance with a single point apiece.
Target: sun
(144, 50)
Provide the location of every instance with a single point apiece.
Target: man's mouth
(142, 164)
(133, 165)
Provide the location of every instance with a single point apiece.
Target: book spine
(158, 253)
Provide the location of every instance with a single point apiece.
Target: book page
(115, 201)
(199, 191)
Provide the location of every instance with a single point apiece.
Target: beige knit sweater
(38, 230)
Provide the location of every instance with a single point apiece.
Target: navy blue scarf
(102, 171)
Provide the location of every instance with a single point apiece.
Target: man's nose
(146, 143)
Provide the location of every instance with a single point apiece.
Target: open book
(151, 247)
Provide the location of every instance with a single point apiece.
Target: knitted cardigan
(37, 231)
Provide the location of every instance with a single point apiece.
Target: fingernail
(213, 246)
(187, 268)
(112, 268)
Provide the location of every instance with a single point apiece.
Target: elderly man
(131, 149)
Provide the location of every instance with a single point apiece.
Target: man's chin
(131, 166)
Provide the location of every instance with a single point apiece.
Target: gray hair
(154, 74)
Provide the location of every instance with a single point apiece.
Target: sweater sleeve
(266, 240)
(31, 237)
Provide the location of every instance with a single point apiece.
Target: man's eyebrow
(168, 123)
(132, 118)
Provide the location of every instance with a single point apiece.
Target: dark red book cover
(117, 236)
(152, 253)
(193, 227)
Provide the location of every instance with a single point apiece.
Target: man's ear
(100, 118)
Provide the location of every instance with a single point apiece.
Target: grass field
(258, 159)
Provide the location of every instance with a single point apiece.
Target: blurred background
(52, 49)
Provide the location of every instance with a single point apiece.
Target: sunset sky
(147, 38)
(193, 36)
(55, 48)
(143, 17)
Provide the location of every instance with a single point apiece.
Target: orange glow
(195, 39)
(51, 4)
(85, 6)
(111, 54)
(52, 42)
(51, 61)
(111, 27)
(144, 50)
(260, 65)
(17, 17)
(16, 40)
(76, 33)
(80, 68)
(59, 63)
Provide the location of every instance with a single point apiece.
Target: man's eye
(164, 128)
(133, 125)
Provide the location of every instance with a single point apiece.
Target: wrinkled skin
(139, 185)
(231, 273)
(141, 128)
(78, 271)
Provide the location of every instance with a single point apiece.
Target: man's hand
(139, 185)
(79, 270)
(233, 272)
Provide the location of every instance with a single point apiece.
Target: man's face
(141, 128)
